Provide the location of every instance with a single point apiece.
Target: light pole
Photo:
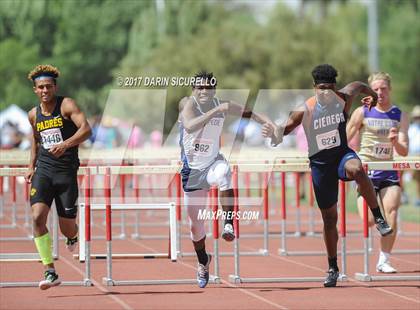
(373, 36)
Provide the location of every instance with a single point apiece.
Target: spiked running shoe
(383, 227)
(71, 243)
(331, 280)
(385, 268)
(51, 280)
(203, 273)
(228, 233)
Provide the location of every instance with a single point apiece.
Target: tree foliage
(93, 42)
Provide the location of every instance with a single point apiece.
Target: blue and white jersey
(200, 148)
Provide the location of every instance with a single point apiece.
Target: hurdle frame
(12, 174)
(283, 168)
(86, 281)
(108, 280)
(12, 181)
(366, 276)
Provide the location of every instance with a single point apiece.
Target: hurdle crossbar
(85, 229)
(122, 207)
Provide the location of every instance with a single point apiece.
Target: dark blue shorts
(325, 176)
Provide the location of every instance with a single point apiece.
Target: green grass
(410, 212)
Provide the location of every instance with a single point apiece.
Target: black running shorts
(50, 184)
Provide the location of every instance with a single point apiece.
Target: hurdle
(390, 165)
(398, 165)
(366, 276)
(298, 210)
(264, 177)
(137, 225)
(122, 206)
(283, 168)
(1, 195)
(86, 281)
(13, 189)
(12, 173)
(311, 231)
(342, 209)
(122, 215)
(401, 231)
(12, 181)
(108, 280)
(18, 257)
(122, 173)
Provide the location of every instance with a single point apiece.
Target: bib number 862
(202, 148)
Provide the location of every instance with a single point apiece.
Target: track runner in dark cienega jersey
(324, 118)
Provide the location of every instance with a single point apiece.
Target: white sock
(383, 257)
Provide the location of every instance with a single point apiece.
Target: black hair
(324, 74)
(206, 77)
(44, 70)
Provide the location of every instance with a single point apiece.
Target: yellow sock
(43, 245)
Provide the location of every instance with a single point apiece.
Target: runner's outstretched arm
(276, 132)
(354, 89)
(239, 110)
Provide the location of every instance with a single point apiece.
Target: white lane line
(393, 257)
(398, 295)
(98, 285)
(350, 279)
(243, 290)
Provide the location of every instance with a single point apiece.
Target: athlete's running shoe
(385, 268)
(203, 273)
(383, 227)
(51, 279)
(228, 233)
(71, 243)
(332, 277)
